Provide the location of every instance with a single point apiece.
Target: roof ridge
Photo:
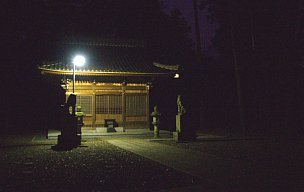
(106, 42)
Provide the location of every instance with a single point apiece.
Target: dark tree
(261, 40)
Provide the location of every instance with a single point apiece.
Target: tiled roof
(105, 57)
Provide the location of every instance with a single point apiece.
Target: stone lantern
(155, 121)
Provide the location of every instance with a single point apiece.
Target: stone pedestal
(176, 136)
(156, 130)
(71, 134)
(69, 141)
(183, 136)
(179, 122)
(182, 133)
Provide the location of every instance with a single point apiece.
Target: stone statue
(181, 110)
(183, 130)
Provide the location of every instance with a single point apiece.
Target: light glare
(79, 60)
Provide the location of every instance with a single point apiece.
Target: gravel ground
(95, 166)
(279, 161)
(100, 166)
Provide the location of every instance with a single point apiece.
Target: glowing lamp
(78, 61)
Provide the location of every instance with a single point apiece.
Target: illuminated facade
(113, 84)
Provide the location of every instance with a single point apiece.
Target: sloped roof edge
(97, 73)
(168, 67)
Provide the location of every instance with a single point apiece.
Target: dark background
(260, 42)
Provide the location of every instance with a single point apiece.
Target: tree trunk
(238, 82)
(252, 31)
(197, 32)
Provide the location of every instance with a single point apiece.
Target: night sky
(207, 27)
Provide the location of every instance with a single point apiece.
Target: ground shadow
(59, 148)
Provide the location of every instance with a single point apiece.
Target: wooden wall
(133, 98)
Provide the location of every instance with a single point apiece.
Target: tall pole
(73, 77)
(79, 61)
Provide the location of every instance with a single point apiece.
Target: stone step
(88, 128)
(110, 129)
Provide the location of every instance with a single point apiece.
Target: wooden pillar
(148, 106)
(93, 104)
(123, 102)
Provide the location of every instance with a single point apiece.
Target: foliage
(267, 39)
(45, 22)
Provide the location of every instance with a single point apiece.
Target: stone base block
(105, 129)
(176, 136)
(119, 129)
(180, 137)
(69, 140)
(109, 129)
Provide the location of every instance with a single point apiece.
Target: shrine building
(114, 82)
